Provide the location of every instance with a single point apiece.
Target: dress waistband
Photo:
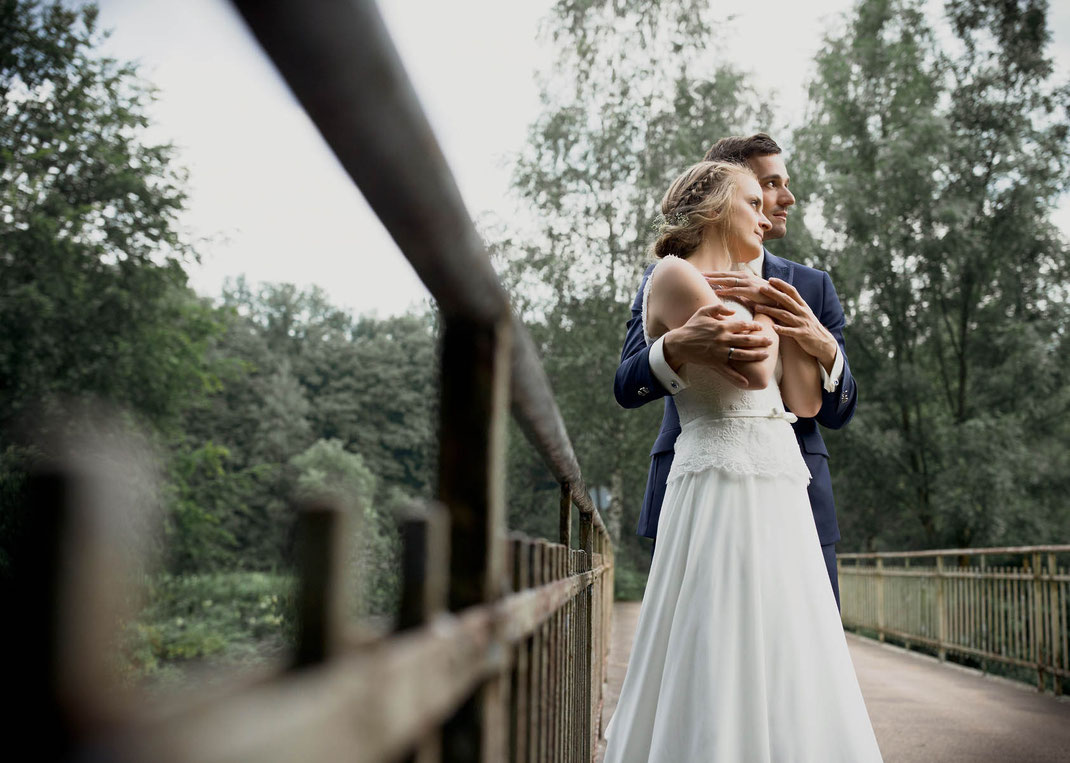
(776, 412)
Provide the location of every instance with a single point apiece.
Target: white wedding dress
(739, 652)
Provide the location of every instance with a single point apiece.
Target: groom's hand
(707, 338)
(794, 318)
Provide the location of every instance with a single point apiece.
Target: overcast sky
(267, 197)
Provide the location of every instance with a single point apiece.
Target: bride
(739, 652)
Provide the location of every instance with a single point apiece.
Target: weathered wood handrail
(1016, 613)
(500, 642)
(386, 682)
(536, 411)
(946, 552)
(340, 62)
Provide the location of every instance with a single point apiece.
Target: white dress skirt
(739, 652)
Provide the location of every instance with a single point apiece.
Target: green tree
(635, 96)
(326, 468)
(257, 418)
(93, 295)
(201, 493)
(296, 369)
(371, 383)
(935, 167)
(380, 397)
(92, 286)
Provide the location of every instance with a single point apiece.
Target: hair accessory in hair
(672, 220)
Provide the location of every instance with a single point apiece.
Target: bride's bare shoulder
(677, 290)
(675, 278)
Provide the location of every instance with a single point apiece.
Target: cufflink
(674, 385)
(644, 391)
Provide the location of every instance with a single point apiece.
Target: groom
(804, 306)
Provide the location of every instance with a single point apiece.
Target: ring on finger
(730, 351)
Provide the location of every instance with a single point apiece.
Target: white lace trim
(646, 297)
(743, 446)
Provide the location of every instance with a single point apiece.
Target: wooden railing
(1006, 605)
(501, 639)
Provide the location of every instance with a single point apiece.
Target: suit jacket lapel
(775, 267)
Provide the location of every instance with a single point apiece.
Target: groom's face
(776, 198)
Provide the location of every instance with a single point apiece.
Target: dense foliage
(218, 618)
(93, 301)
(250, 403)
(935, 164)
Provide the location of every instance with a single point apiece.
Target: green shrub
(229, 618)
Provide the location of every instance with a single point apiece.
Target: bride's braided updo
(701, 197)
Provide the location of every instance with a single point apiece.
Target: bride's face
(746, 223)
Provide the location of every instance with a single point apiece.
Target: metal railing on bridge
(501, 639)
(1007, 605)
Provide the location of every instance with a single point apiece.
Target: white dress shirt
(674, 382)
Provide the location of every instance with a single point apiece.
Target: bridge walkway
(922, 709)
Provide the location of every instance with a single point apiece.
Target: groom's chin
(779, 230)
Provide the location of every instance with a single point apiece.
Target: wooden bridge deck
(922, 709)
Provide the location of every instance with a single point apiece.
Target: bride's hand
(740, 286)
(713, 337)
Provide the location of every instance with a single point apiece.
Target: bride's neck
(711, 255)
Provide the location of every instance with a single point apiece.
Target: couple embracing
(739, 652)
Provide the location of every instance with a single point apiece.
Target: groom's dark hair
(737, 149)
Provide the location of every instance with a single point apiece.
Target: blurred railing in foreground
(501, 639)
(1008, 605)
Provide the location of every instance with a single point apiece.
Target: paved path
(922, 709)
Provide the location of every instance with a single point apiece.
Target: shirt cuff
(661, 369)
(830, 381)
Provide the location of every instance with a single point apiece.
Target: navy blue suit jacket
(636, 385)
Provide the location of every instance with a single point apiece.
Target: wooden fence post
(1037, 616)
(78, 550)
(519, 713)
(910, 611)
(424, 574)
(1053, 627)
(425, 563)
(839, 583)
(321, 599)
(880, 599)
(589, 654)
(543, 697)
(38, 593)
(473, 409)
(552, 656)
(564, 533)
(536, 686)
(941, 610)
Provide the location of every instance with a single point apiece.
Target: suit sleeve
(837, 406)
(635, 384)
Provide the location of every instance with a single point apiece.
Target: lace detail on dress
(646, 298)
(743, 446)
(736, 430)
